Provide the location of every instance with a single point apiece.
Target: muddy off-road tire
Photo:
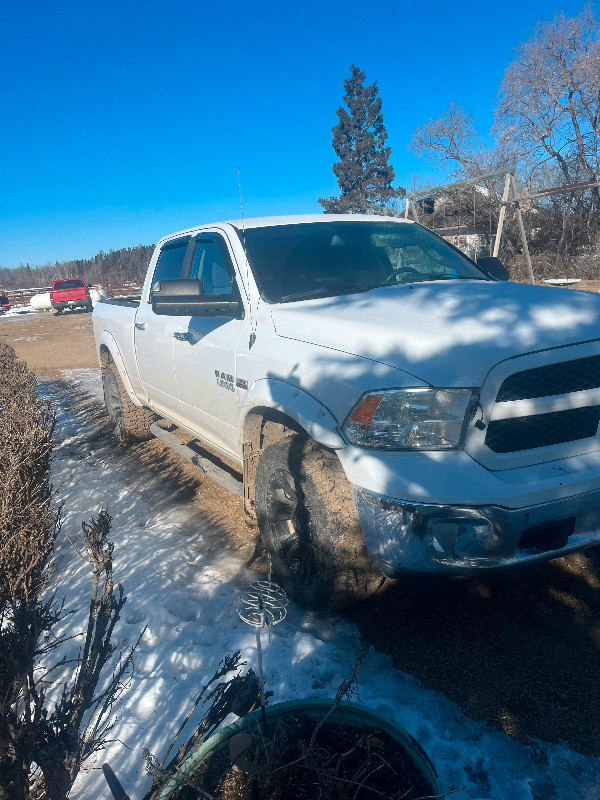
(131, 423)
(309, 526)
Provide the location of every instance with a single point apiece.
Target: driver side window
(209, 266)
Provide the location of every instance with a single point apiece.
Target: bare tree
(451, 139)
(547, 123)
(549, 99)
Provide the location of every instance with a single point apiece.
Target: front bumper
(451, 539)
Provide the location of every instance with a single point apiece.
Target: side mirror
(185, 298)
(493, 267)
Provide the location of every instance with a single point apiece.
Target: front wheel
(310, 528)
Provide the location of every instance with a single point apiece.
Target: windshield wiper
(330, 290)
(445, 277)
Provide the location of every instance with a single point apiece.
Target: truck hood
(446, 333)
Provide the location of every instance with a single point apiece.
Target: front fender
(313, 416)
(108, 340)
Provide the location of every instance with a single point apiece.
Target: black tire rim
(113, 403)
(288, 523)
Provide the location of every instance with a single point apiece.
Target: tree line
(116, 266)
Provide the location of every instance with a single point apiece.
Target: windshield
(324, 259)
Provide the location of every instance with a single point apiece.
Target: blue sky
(121, 122)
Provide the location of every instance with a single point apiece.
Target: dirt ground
(520, 650)
(50, 344)
(587, 286)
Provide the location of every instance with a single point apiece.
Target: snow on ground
(184, 590)
(15, 311)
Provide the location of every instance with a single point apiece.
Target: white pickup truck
(390, 405)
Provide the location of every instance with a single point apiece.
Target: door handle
(140, 326)
(181, 336)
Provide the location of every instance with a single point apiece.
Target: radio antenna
(252, 326)
(242, 210)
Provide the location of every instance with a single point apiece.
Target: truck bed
(132, 301)
(113, 320)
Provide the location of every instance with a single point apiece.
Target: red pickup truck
(69, 293)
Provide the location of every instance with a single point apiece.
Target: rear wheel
(131, 423)
(310, 528)
(56, 311)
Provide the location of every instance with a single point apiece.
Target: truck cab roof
(291, 219)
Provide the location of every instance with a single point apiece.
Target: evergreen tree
(363, 171)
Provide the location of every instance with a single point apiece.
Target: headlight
(407, 419)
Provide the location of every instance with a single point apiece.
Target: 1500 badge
(225, 380)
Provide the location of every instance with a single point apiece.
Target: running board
(219, 475)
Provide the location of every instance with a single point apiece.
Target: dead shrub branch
(41, 746)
